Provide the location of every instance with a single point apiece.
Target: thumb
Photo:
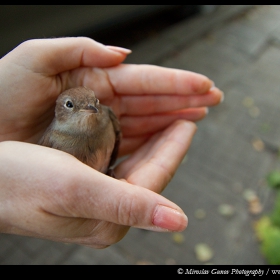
(93, 195)
(58, 184)
(62, 54)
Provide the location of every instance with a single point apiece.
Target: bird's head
(77, 102)
(76, 108)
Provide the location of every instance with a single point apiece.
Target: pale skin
(49, 194)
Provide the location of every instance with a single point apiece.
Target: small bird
(85, 129)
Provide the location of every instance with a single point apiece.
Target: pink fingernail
(119, 49)
(222, 98)
(169, 219)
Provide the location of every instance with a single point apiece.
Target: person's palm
(145, 98)
(49, 194)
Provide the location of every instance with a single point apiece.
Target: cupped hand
(46, 193)
(49, 194)
(146, 98)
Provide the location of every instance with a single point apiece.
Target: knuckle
(128, 210)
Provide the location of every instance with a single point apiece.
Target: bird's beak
(90, 109)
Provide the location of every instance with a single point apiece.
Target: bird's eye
(69, 104)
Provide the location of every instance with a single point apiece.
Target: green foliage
(269, 235)
(275, 216)
(268, 227)
(271, 246)
(273, 179)
(261, 225)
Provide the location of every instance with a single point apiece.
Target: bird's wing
(45, 139)
(117, 129)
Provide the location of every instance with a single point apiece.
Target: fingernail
(213, 85)
(169, 219)
(222, 98)
(119, 49)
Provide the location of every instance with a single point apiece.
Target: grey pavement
(235, 147)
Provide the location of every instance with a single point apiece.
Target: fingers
(57, 195)
(93, 195)
(154, 164)
(154, 104)
(130, 144)
(137, 130)
(133, 126)
(63, 54)
(149, 79)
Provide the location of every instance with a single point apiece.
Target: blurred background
(228, 182)
(109, 24)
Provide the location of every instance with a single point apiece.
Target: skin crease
(46, 193)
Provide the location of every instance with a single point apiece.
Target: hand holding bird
(49, 194)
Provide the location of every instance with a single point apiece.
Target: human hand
(46, 193)
(145, 98)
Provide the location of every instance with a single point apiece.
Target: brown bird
(85, 129)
